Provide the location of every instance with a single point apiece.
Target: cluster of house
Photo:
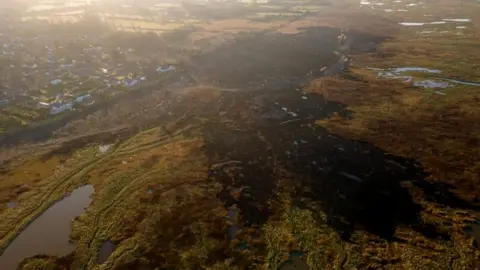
(134, 80)
(58, 107)
(60, 71)
(165, 69)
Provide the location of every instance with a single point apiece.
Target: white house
(167, 69)
(56, 81)
(43, 105)
(130, 83)
(58, 108)
(83, 98)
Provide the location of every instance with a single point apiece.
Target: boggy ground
(220, 179)
(162, 195)
(437, 127)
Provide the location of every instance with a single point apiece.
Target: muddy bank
(49, 234)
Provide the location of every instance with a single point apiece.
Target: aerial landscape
(240, 134)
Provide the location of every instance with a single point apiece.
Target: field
(301, 132)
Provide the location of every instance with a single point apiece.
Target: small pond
(295, 262)
(108, 247)
(49, 234)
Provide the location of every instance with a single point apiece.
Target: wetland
(240, 135)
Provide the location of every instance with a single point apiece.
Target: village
(49, 73)
(60, 57)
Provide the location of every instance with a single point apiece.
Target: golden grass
(226, 27)
(306, 230)
(343, 15)
(39, 263)
(21, 179)
(440, 131)
(297, 229)
(237, 24)
(453, 51)
(47, 191)
(141, 193)
(124, 212)
(415, 124)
